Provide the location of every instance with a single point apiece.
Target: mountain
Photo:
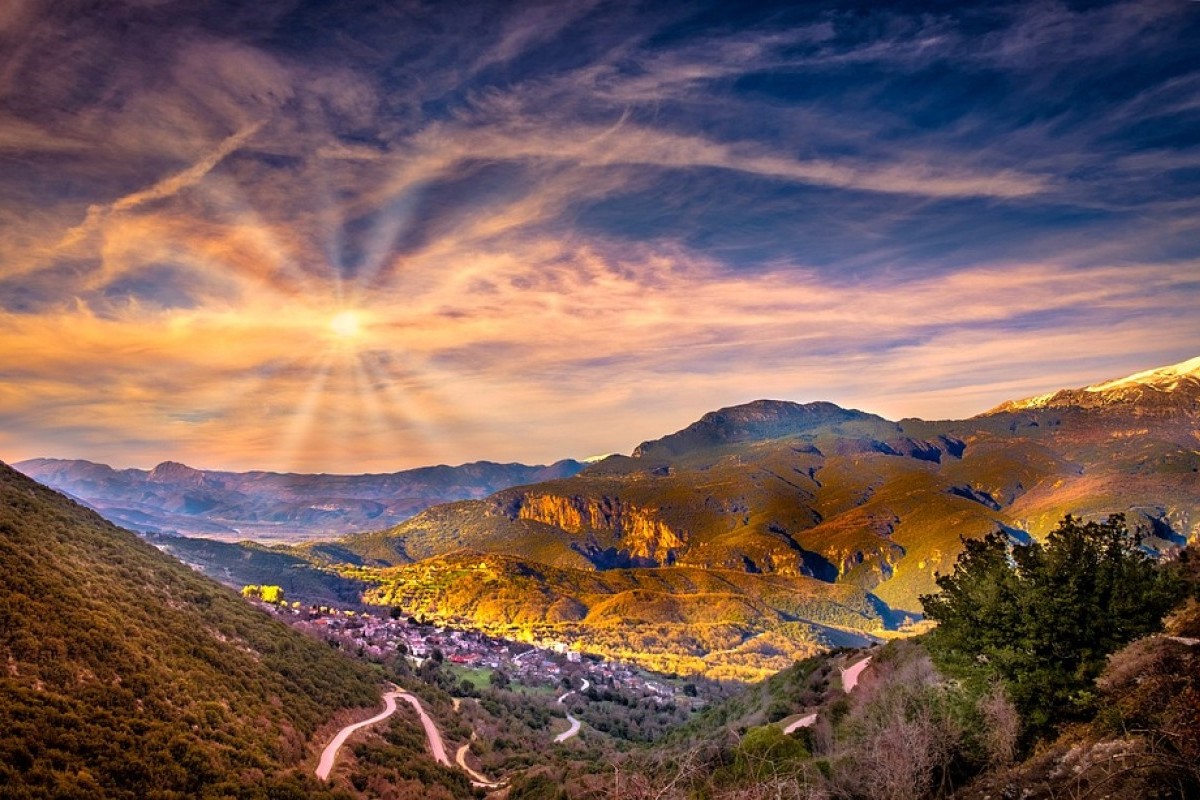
(848, 512)
(128, 675)
(270, 506)
(761, 419)
(1166, 390)
(821, 493)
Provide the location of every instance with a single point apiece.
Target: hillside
(271, 506)
(844, 496)
(722, 623)
(130, 676)
(931, 717)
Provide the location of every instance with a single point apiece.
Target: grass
(479, 677)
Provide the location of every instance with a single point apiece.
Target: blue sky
(560, 229)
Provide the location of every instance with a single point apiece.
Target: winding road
(803, 722)
(329, 754)
(849, 681)
(436, 746)
(477, 779)
(575, 724)
(850, 674)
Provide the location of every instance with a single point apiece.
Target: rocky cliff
(623, 531)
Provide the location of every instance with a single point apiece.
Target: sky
(353, 236)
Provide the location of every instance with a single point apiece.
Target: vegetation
(264, 592)
(246, 563)
(1069, 618)
(128, 675)
(1044, 617)
(721, 623)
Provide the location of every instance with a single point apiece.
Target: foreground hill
(127, 675)
(843, 496)
(270, 506)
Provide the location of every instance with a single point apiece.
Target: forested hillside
(127, 675)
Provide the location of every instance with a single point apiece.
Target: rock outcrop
(633, 532)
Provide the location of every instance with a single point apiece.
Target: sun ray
(297, 431)
(399, 435)
(435, 412)
(225, 192)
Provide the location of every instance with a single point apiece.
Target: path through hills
(436, 745)
(329, 754)
(575, 724)
(478, 779)
(849, 681)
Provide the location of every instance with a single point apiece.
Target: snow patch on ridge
(1163, 378)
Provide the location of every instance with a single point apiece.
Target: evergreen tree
(1046, 616)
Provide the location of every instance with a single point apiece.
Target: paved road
(575, 724)
(849, 681)
(850, 675)
(803, 722)
(329, 755)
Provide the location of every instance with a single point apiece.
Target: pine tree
(1044, 617)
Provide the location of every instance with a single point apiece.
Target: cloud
(610, 215)
(573, 323)
(163, 189)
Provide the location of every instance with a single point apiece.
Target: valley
(732, 579)
(762, 533)
(599, 400)
(175, 499)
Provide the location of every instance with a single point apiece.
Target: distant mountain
(128, 675)
(1166, 390)
(815, 490)
(761, 419)
(270, 506)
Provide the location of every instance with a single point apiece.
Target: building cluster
(547, 662)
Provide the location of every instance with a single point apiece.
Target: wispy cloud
(567, 232)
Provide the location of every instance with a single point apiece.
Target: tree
(272, 594)
(268, 594)
(1045, 616)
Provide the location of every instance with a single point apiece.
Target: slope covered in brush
(127, 675)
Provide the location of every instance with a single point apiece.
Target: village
(545, 663)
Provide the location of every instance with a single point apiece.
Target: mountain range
(272, 506)
(764, 531)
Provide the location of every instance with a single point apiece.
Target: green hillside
(127, 675)
(245, 563)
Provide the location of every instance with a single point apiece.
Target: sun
(346, 324)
